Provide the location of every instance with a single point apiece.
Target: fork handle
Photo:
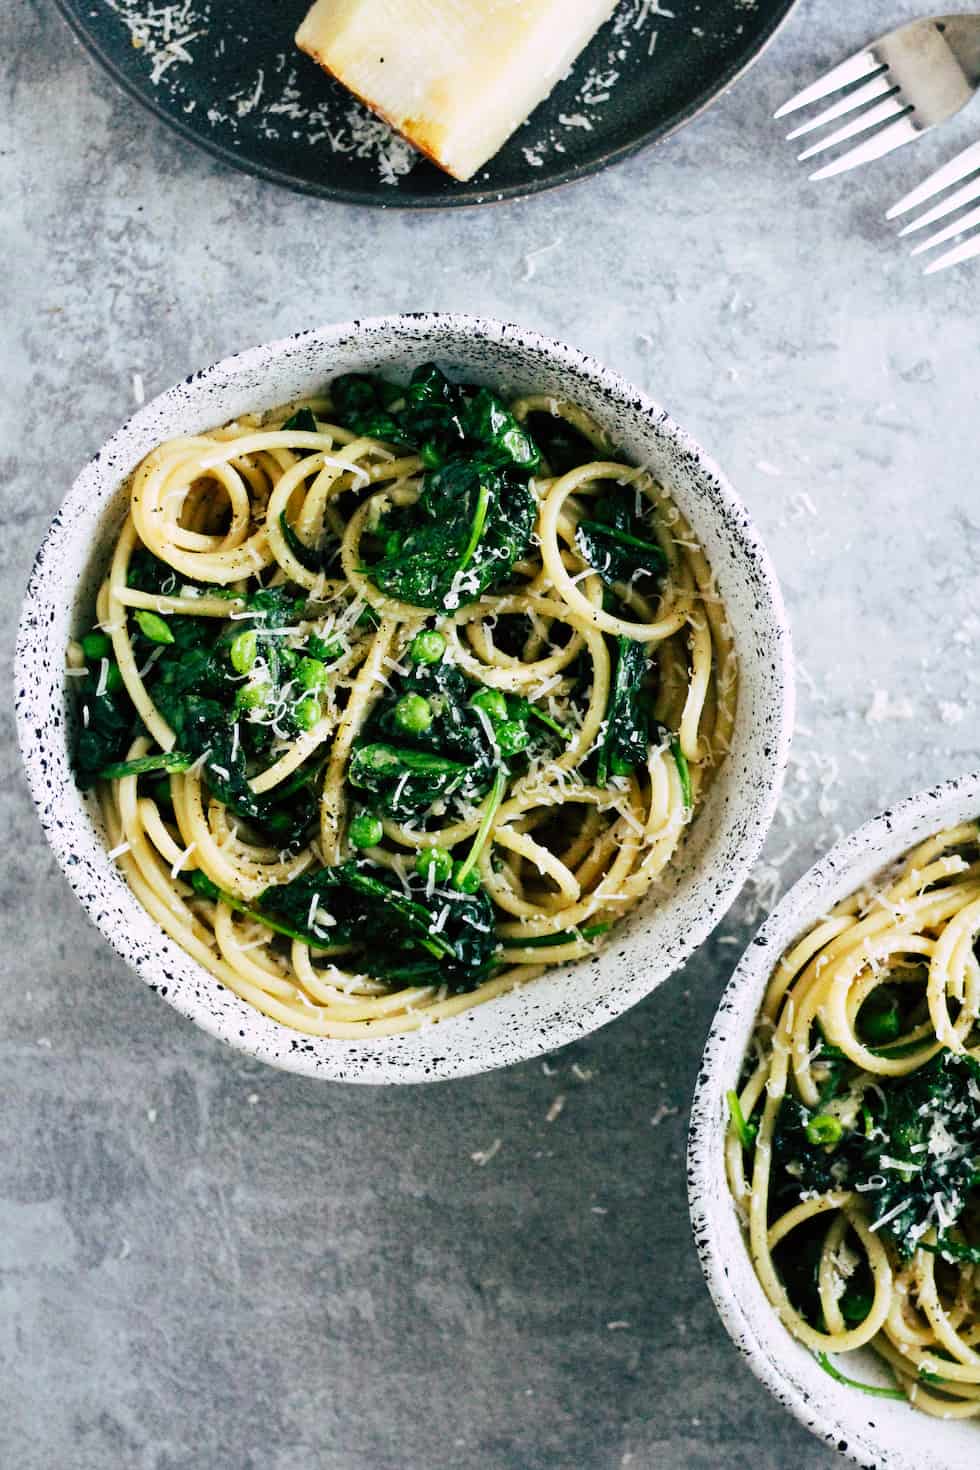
(962, 35)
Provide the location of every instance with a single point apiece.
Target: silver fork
(962, 166)
(904, 83)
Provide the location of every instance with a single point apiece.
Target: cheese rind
(455, 77)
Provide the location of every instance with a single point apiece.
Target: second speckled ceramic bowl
(881, 1434)
(722, 845)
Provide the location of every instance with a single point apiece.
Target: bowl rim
(854, 859)
(378, 1060)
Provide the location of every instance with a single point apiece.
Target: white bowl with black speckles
(723, 842)
(881, 1434)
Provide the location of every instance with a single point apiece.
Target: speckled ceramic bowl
(882, 1434)
(722, 845)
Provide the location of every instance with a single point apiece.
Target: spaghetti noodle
(397, 696)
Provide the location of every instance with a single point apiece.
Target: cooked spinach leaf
(561, 444)
(143, 765)
(519, 708)
(472, 521)
(405, 771)
(313, 558)
(626, 739)
(931, 1128)
(286, 819)
(361, 403)
(275, 607)
(436, 734)
(914, 1160)
(403, 781)
(148, 573)
(474, 515)
(416, 939)
(433, 416)
(955, 1250)
(616, 542)
(208, 680)
(486, 421)
(227, 694)
(304, 420)
(107, 725)
(204, 888)
(618, 556)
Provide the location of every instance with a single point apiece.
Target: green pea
(253, 695)
(878, 1020)
(492, 703)
(327, 653)
(311, 674)
(243, 650)
(512, 737)
(306, 711)
(855, 1305)
(96, 645)
(152, 626)
(434, 860)
(413, 714)
(466, 882)
(365, 830)
(824, 1129)
(427, 647)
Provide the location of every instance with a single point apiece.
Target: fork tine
(903, 130)
(950, 232)
(956, 256)
(966, 195)
(964, 163)
(877, 87)
(890, 107)
(853, 70)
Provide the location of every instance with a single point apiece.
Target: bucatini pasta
(854, 1142)
(398, 695)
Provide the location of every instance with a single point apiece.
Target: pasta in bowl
(850, 1141)
(397, 692)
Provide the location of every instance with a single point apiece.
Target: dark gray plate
(227, 75)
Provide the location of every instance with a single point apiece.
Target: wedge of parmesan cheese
(455, 77)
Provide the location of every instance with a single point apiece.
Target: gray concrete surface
(206, 1264)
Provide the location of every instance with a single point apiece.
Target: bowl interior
(873, 1431)
(721, 846)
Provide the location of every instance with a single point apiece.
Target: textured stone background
(203, 1263)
